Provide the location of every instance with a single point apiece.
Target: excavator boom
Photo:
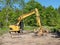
(29, 14)
(16, 27)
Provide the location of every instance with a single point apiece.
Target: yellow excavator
(16, 27)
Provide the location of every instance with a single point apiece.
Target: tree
(58, 9)
(31, 5)
(8, 7)
(50, 16)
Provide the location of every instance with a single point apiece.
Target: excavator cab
(15, 28)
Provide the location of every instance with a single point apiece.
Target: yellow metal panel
(38, 17)
(14, 28)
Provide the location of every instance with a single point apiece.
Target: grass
(29, 27)
(33, 27)
(45, 27)
(3, 30)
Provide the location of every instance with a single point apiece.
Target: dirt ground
(28, 39)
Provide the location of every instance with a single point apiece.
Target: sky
(46, 3)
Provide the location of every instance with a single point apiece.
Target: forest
(9, 13)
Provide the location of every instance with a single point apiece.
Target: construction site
(29, 23)
(40, 36)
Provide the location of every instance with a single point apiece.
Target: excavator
(16, 27)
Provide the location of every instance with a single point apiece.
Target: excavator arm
(17, 28)
(24, 16)
(29, 14)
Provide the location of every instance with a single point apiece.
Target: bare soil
(28, 39)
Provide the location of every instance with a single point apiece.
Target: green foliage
(58, 10)
(49, 16)
(30, 28)
(31, 5)
(3, 30)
